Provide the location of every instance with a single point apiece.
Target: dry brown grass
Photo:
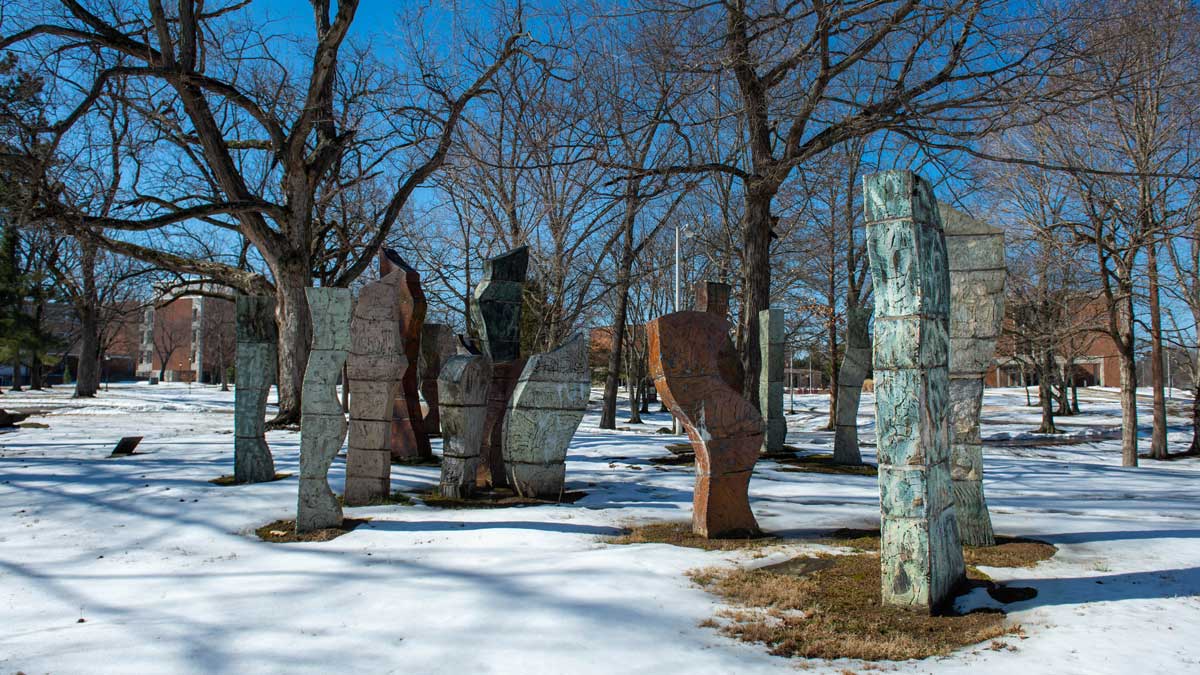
(828, 606)
(226, 481)
(395, 499)
(680, 534)
(823, 464)
(1008, 551)
(284, 531)
(494, 499)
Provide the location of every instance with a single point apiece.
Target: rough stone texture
(713, 297)
(374, 367)
(770, 381)
(920, 554)
(546, 408)
(491, 453)
(463, 386)
(409, 440)
(437, 345)
(256, 366)
(497, 314)
(725, 429)
(855, 365)
(497, 307)
(322, 423)
(977, 274)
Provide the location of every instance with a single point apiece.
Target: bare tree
(254, 138)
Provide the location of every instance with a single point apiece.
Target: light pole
(678, 304)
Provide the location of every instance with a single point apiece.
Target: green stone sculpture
(770, 382)
(322, 423)
(920, 554)
(497, 308)
(256, 366)
(977, 274)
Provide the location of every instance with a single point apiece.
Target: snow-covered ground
(165, 572)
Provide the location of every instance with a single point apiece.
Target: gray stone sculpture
(375, 367)
(855, 365)
(977, 273)
(437, 345)
(546, 409)
(497, 307)
(322, 423)
(770, 382)
(462, 387)
(256, 366)
(920, 554)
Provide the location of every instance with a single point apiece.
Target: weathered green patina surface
(497, 308)
(921, 556)
(256, 365)
(977, 274)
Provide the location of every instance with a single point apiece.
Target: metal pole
(792, 381)
(674, 421)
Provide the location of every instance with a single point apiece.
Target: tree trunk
(834, 374)
(87, 380)
(1064, 382)
(295, 340)
(1046, 393)
(16, 368)
(635, 392)
(857, 361)
(647, 390)
(612, 381)
(35, 372)
(756, 282)
(1158, 436)
(1129, 430)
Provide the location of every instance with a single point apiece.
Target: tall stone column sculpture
(855, 364)
(712, 297)
(409, 441)
(437, 345)
(770, 382)
(725, 429)
(977, 273)
(920, 553)
(546, 408)
(256, 365)
(496, 313)
(375, 367)
(322, 423)
(462, 385)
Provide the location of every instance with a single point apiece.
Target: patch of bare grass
(226, 481)
(1008, 551)
(829, 606)
(680, 534)
(284, 531)
(495, 499)
(395, 499)
(823, 463)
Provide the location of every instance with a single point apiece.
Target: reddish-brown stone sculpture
(713, 297)
(409, 441)
(725, 429)
(491, 455)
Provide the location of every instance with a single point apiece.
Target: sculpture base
(974, 523)
(540, 481)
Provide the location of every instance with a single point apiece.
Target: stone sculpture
(497, 307)
(920, 554)
(770, 382)
(856, 363)
(256, 366)
(462, 385)
(437, 345)
(497, 314)
(712, 297)
(977, 273)
(322, 423)
(725, 429)
(547, 406)
(409, 441)
(374, 367)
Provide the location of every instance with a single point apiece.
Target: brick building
(187, 338)
(1093, 353)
